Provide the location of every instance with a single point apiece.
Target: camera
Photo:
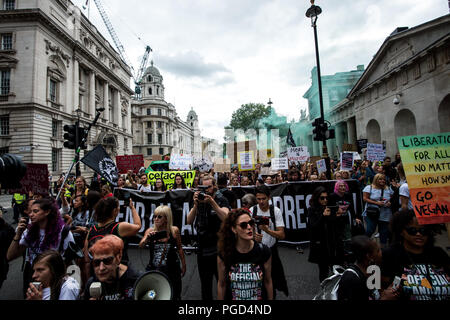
(12, 170)
(201, 196)
(126, 197)
(262, 221)
(202, 193)
(396, 101)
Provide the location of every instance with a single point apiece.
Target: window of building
(149, 151)
(53, 91)
(159, 124)
(159, 138)
(4, 150)
(55, 127)
(56, 155)
(149, 112)
(9, 4)
(161, 151)
(159, 112)
(150, 91)
(149, 124)
(6, 41)
(150, 138)
(150, 79)
(5, 82)
(4, 125)
(125, 143)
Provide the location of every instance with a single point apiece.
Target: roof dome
(152, 70)
(192, 115)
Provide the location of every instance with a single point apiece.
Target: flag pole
(77, 152)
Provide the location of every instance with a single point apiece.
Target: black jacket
(6, 236)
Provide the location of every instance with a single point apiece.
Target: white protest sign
(321, 166)
(246, 161)
(346, 161)
(180, 162)
(299, 154)
(375, 152)
(280, 164)
(203, 164)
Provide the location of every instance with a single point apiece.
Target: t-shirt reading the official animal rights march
(424, 276)
(245, 276)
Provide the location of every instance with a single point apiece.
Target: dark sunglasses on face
(244, 225)
(106, 261)
(323, 198)
(158, 217)
(413, 231)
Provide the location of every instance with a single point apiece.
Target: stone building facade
(55, 68)
(405, 89)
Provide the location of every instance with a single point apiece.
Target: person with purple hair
(347, 219)
(44, 232)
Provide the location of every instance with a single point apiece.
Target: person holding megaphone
(166, 251)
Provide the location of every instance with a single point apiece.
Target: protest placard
(280, 164)
(321, 166)
(233, 148)
(375, 152)
(246, 161)
(222, 165)
(180, 162)
(299, 154)
(35, 179)
(129, 162)
(425, 159)
(346, 161)
(203, 164)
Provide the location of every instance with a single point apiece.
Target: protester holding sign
(378, 211)
(244, 266)
(423, 267)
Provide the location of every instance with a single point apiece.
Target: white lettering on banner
(300, 211)
(289, 207)
(374, 280)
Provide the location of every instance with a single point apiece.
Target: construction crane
(136, 76)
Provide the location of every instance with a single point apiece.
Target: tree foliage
(248, 115)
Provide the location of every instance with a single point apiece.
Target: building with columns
(56, 68)
(156, 127)
(404, 91)
(335, 88)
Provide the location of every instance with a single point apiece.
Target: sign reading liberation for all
(426, 160)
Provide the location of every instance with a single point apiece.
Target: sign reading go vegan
(168, 177)
(426, 160)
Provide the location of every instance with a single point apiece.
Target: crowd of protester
(81, 228)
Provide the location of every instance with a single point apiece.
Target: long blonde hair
(377, 177)
(166, 212)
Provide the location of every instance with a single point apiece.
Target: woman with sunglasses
(166, 251)
(324, 240)
(244, 266)
(424, 268)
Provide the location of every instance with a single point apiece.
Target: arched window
(373, 132)
(444, 114)
(150, 91)
(405, 123)
(150, 79)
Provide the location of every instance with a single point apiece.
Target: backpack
(329, 287)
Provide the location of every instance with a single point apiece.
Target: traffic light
(318, 129)
(80, 138)
(70, 136)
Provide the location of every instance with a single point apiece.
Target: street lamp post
(77, 138)
(313, 13)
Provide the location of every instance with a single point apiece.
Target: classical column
(351, 131)
(106, 101)
(92, 94)
(76, 86)
(116, 108)
(339, 136)
(129, 117)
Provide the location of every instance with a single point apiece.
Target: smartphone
(396, 282)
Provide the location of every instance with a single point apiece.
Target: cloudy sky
(217, 55)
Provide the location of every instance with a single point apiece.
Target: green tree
(248, 115)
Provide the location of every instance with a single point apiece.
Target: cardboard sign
(425, 159)
(348, 147)
(222, 166)
(234, 148)
(133, 162)
(280, 164)
(321, 166)
(347, 161)
(375, 152)
(246, 161)
(299, 154)
(35, 179)
(203, 164)
(180, 162)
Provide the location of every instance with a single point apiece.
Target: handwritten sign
(180, 162)
(133, 162)
(375, 152)
(426, 160)
(222, 165)
(246, 161)
(280, 164)
(299, 154)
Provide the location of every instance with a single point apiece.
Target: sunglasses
(158, 217)
(244, 225)
(413, 231)
(106, 261)
(323, 198)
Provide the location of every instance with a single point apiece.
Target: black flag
(99, 161)
(290, 139)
